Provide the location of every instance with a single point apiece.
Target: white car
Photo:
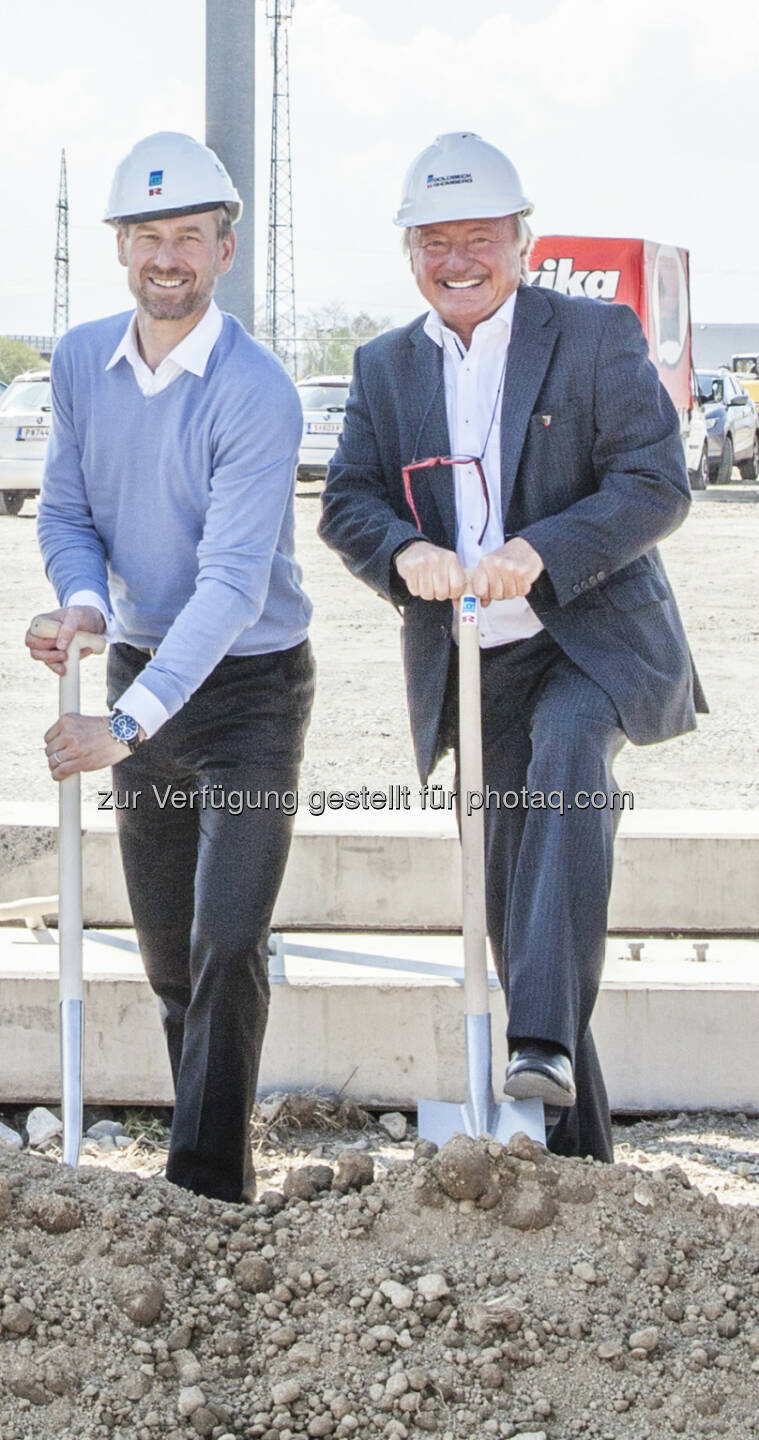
(323, 399)
(24, 431)
(697, 448)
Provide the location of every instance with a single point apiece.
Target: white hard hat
(170, 174)
(460, 177)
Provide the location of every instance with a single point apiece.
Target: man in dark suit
(556, 467)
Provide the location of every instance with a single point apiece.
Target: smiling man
(166, 520)
(523, 438)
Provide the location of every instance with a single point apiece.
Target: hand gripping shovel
(70, 981)
(438, 1120)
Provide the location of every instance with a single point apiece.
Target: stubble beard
(172, 306)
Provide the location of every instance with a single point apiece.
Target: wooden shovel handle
(47, 629)
(472, 823)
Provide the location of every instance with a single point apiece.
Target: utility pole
(61, 292)
(280, 267)
(230, 120)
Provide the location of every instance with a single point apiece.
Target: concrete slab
(676, 870)
(727, 495)
(379, 1017)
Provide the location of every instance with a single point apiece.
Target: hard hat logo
(183, 177)
(449, 180)
(460, 177)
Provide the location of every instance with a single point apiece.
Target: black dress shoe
(538, 1072)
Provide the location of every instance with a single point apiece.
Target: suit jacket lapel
(530, 349)
(423, 393)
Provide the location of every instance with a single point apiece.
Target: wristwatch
(126, 729)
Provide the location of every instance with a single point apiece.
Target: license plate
(320, 427)
(33, 432)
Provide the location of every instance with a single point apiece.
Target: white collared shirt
(192, 353)
(474, 380)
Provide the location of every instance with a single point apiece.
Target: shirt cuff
(91, 597)
(144, 707)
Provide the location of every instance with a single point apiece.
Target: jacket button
(593, 580)
(575, 589)
(601, 575)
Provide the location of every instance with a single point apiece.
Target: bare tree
(328, 337)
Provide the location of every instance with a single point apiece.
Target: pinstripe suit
(593, 491)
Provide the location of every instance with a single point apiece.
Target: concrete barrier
(379, 1018)
(691, 870)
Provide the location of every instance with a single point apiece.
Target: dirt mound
(480, 1291)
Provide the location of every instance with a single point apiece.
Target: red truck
(654, 281)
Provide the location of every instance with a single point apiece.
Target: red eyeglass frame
(406, 471)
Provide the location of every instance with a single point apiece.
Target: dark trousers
(204, 839)
(551, 730)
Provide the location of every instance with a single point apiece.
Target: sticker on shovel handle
(469, 610)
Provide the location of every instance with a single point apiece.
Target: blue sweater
(177, 509)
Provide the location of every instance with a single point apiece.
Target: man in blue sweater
(166, 522)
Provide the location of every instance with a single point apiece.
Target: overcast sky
(624, 117)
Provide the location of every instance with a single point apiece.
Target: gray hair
(525, 238)
(223, 222)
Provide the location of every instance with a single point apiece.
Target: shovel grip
(47, 629)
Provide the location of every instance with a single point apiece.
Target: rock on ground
(484, 1290)
(42, 1125)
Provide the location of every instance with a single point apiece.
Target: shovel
(438, 1120)
(70, 981)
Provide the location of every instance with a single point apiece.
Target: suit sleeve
(642, 484)
(358, 519)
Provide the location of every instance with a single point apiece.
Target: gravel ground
(378, 1289)
(359, 733)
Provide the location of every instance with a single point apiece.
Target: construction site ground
(359, 731)
(375, 1289)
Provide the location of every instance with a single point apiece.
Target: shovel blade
(72, 1046)
(439, 1120)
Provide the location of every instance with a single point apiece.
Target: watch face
(124, 727)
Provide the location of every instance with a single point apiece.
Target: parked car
(731, 424)
(323, 399)
(24, 431)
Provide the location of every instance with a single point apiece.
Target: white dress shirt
(474, 381)
(192, 353)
